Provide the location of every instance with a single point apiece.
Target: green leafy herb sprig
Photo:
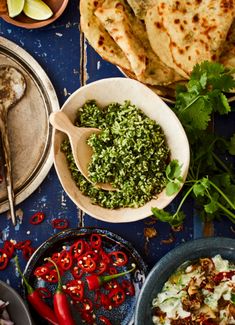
(211, 179)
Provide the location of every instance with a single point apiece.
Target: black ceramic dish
(204, 247)
(17, 309)
(124, 314)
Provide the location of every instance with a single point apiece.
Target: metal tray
(30, 133)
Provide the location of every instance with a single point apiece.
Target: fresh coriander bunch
(211, 179)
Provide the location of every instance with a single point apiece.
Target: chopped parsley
(130, 152)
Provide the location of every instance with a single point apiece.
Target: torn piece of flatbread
(98, 37)
(183, 33)
(130, 34)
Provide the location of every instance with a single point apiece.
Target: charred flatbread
(130, 34)
(183, 33)
(98, 37)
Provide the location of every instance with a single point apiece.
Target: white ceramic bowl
(118, 90)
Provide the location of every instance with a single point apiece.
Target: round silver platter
(30, 133)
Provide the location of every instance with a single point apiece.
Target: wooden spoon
(78, 136)
(12, 89)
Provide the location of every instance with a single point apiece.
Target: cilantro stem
(223, 165)
(230, 215)
(191, 103)
(223, 195)
(184, 198)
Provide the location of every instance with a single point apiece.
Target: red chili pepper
(75, 289)
(9, 248)
(128, 287)
(60, 302)
(112, 270)
(117, 296)
(94, 281)
(34, 298)
(44, 292)
(221, 276)
(37, 218)
(105, 320)
(4, 259)
(60, 223)
(87, 264)
(95, 241)
(77, 248)
(65, 260)
(119, 258)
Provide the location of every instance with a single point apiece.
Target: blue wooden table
(69, 63)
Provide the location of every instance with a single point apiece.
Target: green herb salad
(199, 293)
(130, 153)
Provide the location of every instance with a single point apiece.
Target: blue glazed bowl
(204, 247)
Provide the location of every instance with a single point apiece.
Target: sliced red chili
(119, 258)
(51, 277)
(77, 248)
(104, 257)
(92, 254)
(77, 272)
(22, 244)
(128, 287)
(37, 218)
(75, 289)
(4, 260)
(95, 241)
(101, 267)
(27, 252)
(110, 285)
(105, 301)
(60, 223)
(88, 317)
(117, 296)
(41, 271)
(105, 320)
(55, 257)
(9, 248)
(87, 264)
(44, 292)
(65, 260)
(112, 270)
(86, 305)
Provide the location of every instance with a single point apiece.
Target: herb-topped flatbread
(140, 7)
(130, 35)
(183, 33)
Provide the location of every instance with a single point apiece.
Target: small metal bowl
(57, 6)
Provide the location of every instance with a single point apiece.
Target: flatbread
(98, 37)
(183, 33)
(140, 7)
(130, 34)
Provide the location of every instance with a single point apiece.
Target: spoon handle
(61, 122)
(8, 168)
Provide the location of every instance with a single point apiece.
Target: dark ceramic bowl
(204, 247)
(17, 310)
(124, 314)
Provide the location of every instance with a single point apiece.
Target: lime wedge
(15, 7)
(37, 9)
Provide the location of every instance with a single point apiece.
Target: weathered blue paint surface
(57, 49)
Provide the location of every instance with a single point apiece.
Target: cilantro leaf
(175, 219)
(173, 175)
